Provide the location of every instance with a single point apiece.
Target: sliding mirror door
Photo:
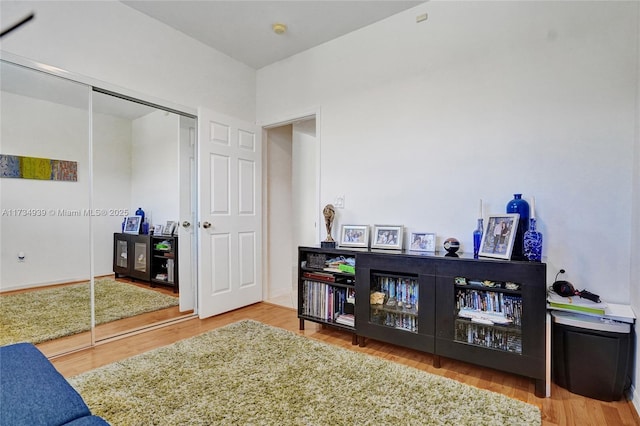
(140, 161)
(45, 200)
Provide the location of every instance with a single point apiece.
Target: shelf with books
(326, 293)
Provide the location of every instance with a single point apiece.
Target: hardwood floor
(562, 408)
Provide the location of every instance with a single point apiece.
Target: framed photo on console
(387, 237)
(422, 242)
(499, 234)
(354, 236)
(169, 228)
(132, 224)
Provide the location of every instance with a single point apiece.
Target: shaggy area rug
(41, 315)
(248, 373)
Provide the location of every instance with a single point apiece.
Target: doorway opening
(291, 204)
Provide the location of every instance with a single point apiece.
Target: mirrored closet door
(137, 150)
(76, 161)
(45, 194)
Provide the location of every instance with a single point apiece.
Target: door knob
(206, 225)
(186, 224)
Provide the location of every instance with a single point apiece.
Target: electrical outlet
(339, 203)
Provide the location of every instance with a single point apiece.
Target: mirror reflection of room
(132, 159)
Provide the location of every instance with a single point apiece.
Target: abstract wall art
(16, 166)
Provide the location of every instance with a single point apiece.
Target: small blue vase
(477, 238)
(532, 244)
(520, 206)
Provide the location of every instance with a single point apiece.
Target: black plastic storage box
(591, 356)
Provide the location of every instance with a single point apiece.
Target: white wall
(279, 212)
(155, 178)
(483, 100)
(111, 185)
(111, 42)
(304, 186)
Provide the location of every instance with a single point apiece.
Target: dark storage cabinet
(396, 300)
(326, 295)
(131, 256)
(493, 313)
(151, 258)
(483, 311)
(164, 261)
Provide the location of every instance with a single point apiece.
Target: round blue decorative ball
(451, 245)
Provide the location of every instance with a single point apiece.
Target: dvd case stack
(491, 301)
(490, 336)
(329, 303)
(394, 302)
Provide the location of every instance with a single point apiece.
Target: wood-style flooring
(562, 408)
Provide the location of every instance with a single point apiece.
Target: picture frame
(499, 235)
(132, 224)
(424, 242)
(354, 236)
(169, 228)
(387, 237)
(157, 229)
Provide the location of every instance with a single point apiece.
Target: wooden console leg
(436, 361)
(361, 341)
(301, 324)
(354, 339)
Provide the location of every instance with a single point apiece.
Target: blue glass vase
(477, 238)
(520, 206)
(140, 212)
(532, 245)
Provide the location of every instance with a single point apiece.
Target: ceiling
(243, 29)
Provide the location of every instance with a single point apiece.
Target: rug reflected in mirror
(252, 373)
(51, 313)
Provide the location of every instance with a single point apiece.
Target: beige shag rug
(47, 314)
(248, 373)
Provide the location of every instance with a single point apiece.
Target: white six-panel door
(230, 213)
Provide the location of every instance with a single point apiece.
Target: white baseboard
(633, 396)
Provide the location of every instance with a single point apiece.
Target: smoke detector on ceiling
(279, 28)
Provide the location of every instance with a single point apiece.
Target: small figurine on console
(329, 213)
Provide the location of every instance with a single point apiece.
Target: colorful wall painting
(16, 166)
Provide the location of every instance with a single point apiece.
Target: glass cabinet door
(140, 262)
(394, 302)
(121, 259)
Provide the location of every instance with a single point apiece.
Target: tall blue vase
(532, 245)
(477, 238)
(520, 206)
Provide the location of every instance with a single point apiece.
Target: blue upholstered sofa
(33, 392)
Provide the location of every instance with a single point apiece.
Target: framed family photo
(132, 224)
(170, 227)
(354, 236)
(422, 242)
(387, 237)
(499, 235)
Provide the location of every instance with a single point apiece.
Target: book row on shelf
(509, 306)
(488, 336)
(404, 291)
(328, 303)
(400, 321)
